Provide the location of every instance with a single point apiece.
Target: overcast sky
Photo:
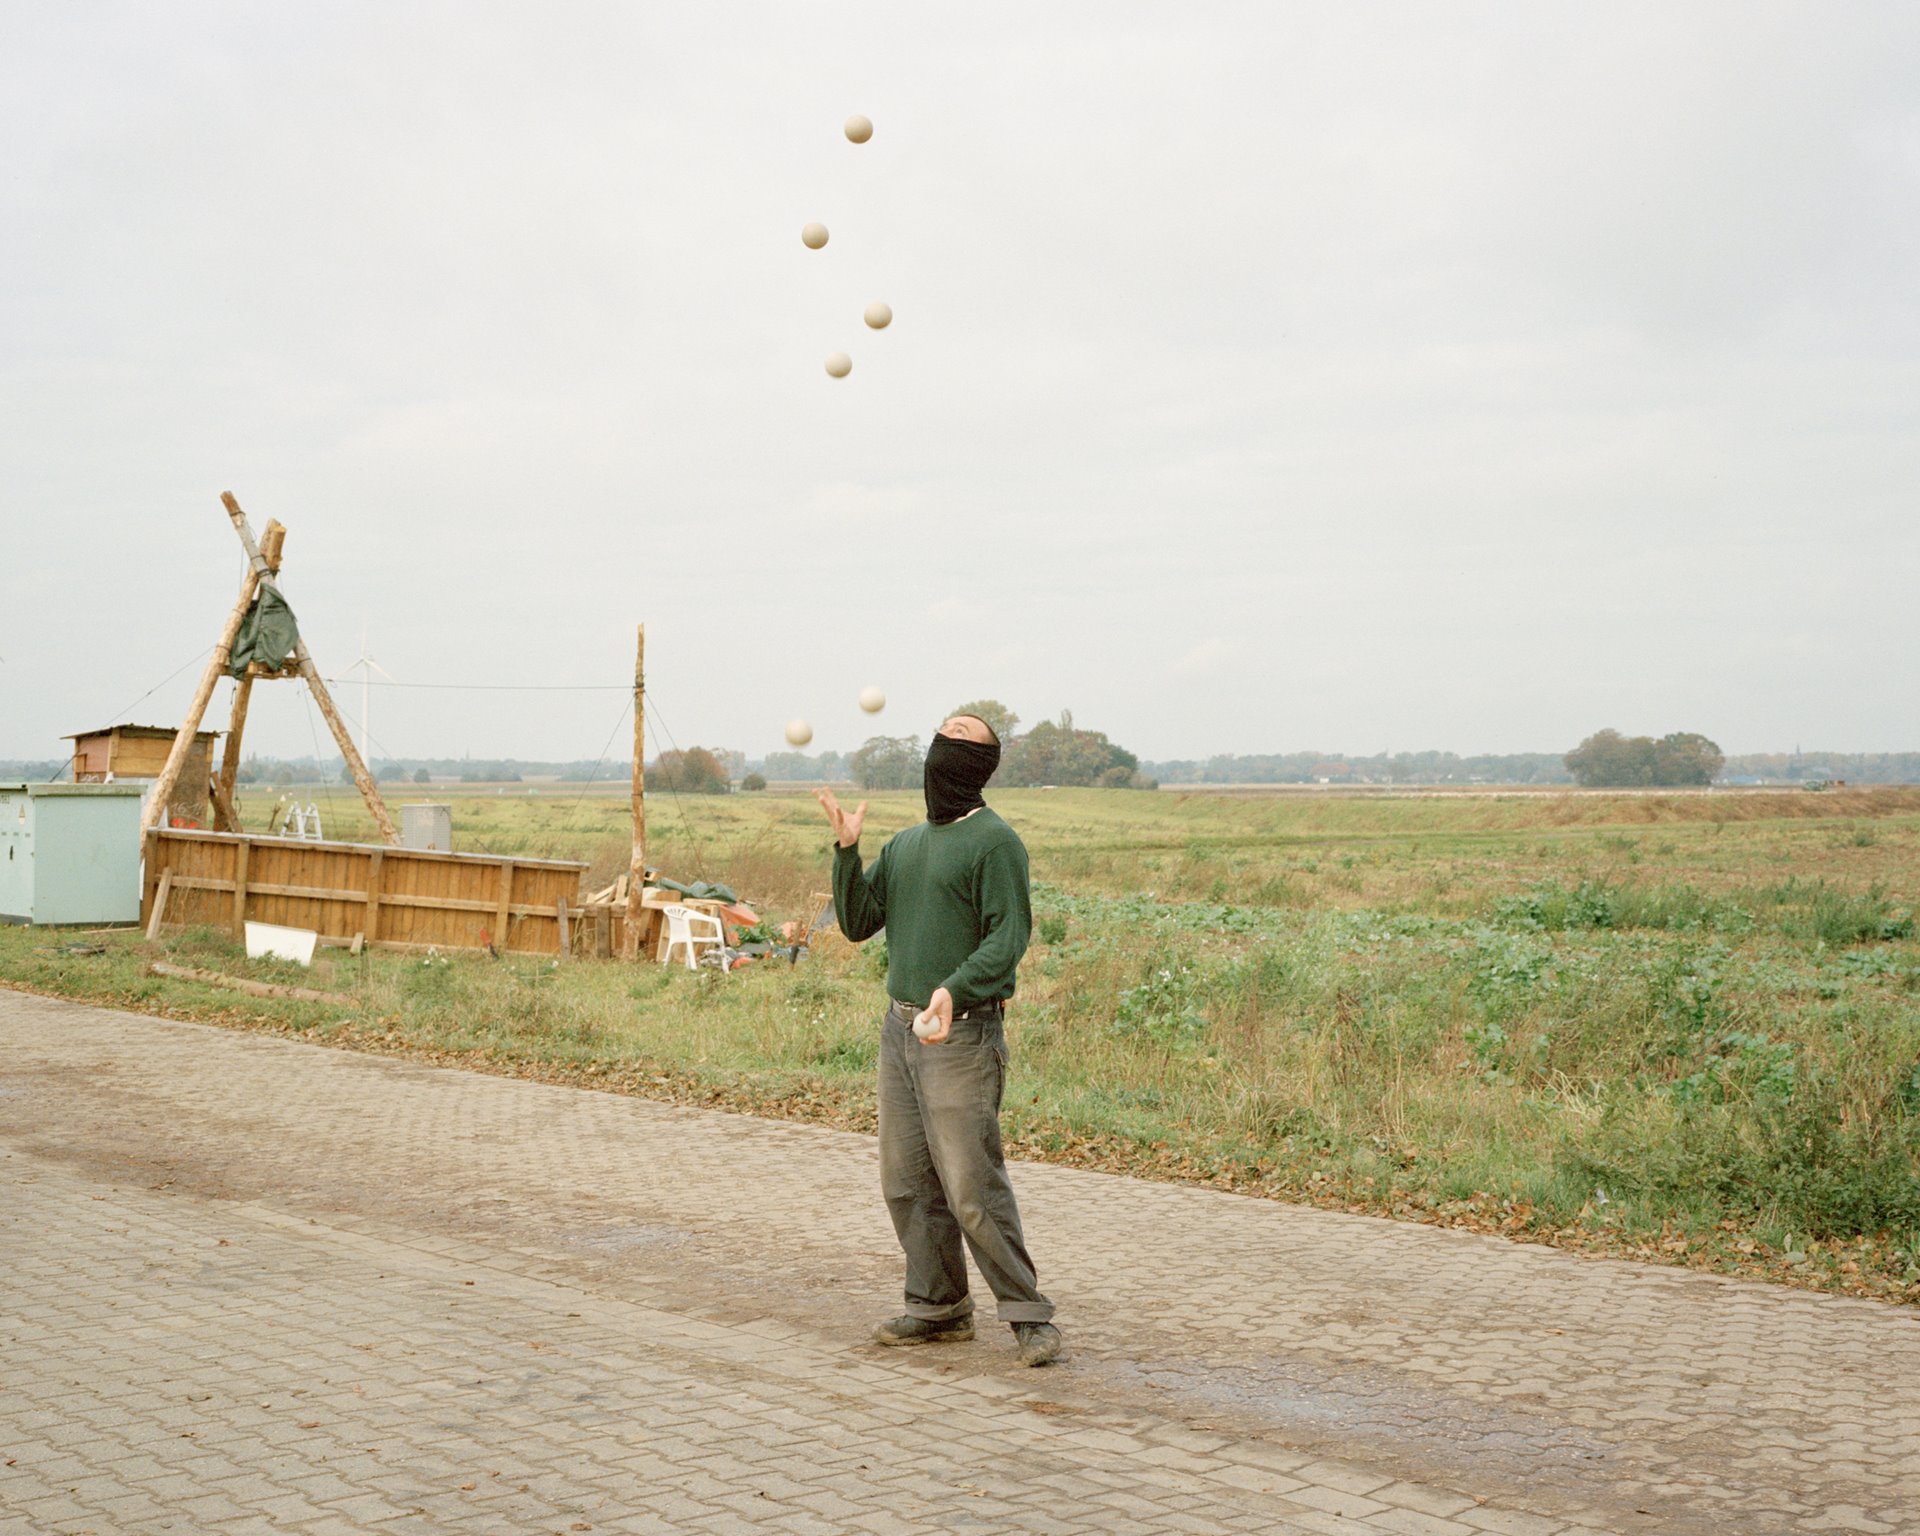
(1264, 376)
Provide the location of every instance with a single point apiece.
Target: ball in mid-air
(872, 700)
(859, 129)
(879, 316)
(813, 236)
(839, 364)
(799, 733)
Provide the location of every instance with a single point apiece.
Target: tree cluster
(1608, 760)
(888, 762)
(1056, 752)
(696, 771)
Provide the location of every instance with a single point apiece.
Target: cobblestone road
(248, 1284)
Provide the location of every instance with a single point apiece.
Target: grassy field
(1683, 1027)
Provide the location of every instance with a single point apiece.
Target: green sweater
(954, 902)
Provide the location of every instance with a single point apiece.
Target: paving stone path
(248, 1284)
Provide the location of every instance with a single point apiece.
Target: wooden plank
(251, 988)
(560, 917)
(504, 916)
(160, 905)
(242, 855)
(376, 872)
(471, 861)
(603, 932)
(359, 942)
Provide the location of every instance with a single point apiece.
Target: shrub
(1824, 914)
(695, 771)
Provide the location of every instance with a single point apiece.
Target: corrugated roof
(155, 730)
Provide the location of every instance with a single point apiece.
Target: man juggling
(952, 893)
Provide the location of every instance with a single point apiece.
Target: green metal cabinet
(70, 853)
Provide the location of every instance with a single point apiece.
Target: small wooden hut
(115, 754)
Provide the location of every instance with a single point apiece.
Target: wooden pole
(251, 988)
(638, 869)
(341, 737)
(169, 780)
(271, 543)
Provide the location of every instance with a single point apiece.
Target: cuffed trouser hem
(927, 1312)
(1025, 1311)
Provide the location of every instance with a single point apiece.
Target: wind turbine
(368, 666)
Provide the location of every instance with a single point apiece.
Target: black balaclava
(956, 773)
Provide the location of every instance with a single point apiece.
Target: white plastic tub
(284, 943)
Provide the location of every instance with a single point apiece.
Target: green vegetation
(1680, 1026)
(1608, 760)
(888, 762)
(1060, 753)
(696, 771)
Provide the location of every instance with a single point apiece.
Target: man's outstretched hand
(846, 823)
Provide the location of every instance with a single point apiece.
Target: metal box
(70, 853)
(428, 827)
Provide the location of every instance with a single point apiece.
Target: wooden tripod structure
(263, 561)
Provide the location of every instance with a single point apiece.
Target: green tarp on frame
(267, 635)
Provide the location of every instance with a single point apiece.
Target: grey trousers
(943, 1172)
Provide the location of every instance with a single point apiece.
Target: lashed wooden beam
(362, 779)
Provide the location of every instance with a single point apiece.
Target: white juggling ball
(799, 733)
(872, 700)
(859, 128)
(839, 364)
(813, 236)
(879, 316)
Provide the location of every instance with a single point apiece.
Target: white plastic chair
(685, 926)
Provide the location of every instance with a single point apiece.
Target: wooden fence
(397, 898)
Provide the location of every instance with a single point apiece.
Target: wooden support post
(242, 856)
(363, 780)
(159, 905)
(176, 762)
(637, 870)
(560, 916)
(225, 817)
(271, 544)
(504, 913)
(376, 864)
(603, 932)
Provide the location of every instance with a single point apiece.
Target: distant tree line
(34, 770)
(1801, 767)
(1378, 768)
(1047, 760)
